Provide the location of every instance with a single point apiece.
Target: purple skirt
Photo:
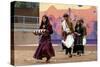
(45, 48)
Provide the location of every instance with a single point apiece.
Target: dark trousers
(78, 46)
(63, 46)
(68, 50)
(79, 49)
(82, 49)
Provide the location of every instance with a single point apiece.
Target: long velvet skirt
(78, 44)
(45, 48)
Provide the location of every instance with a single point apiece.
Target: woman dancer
(80, 32)
(45, 48)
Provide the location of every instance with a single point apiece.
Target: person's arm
(72, 27)
(62, 33)
(76, 32)
(50, 30)
(85, 32)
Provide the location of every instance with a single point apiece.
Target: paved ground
(23, 56)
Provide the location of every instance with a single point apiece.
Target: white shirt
(65, 27)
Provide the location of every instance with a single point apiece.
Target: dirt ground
(24, 55)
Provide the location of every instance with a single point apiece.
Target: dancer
(45, 48)
(80, 32)
(67, 30)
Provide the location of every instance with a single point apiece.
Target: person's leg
(48, 59)
(78, 53)
(79, 50)
(69, 51)
(80, 46)
(66, 52)
(75, 46)
(82, 49)
(74, 50)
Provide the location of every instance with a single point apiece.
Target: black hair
(65, 15)
(80, 25)
(46, 23)
(81, 20)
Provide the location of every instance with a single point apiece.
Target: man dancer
(67, 30)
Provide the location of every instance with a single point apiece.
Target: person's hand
(73, 34)
(43, 30)
(77, 33)
(34, 33)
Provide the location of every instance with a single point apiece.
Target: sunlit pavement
(24, 55)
